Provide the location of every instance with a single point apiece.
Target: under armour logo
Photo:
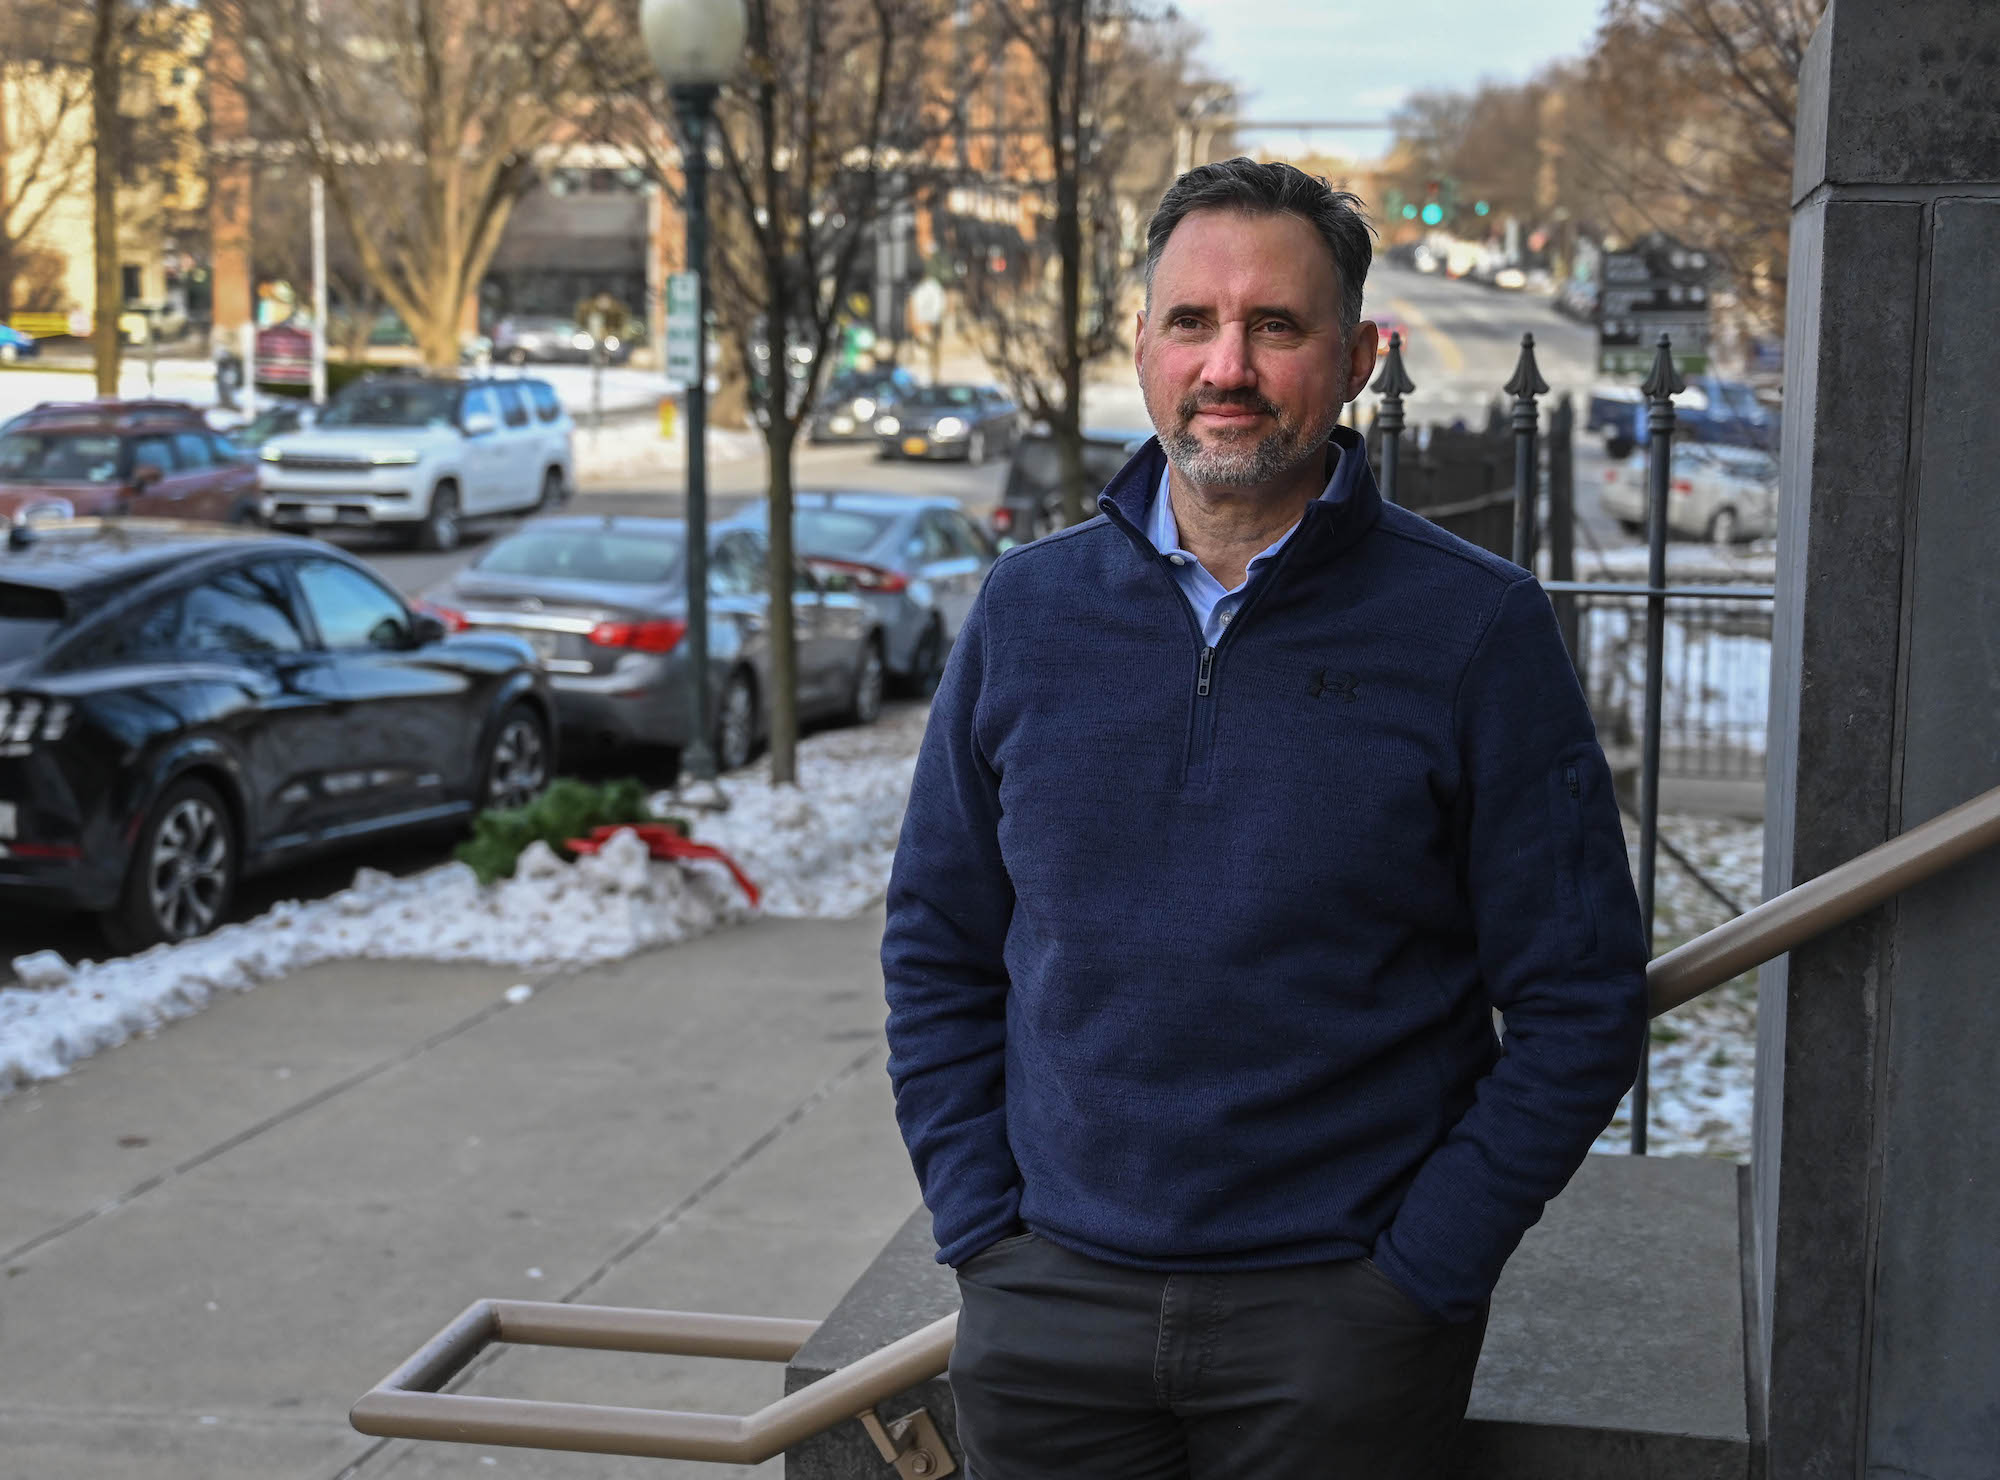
(1341, 686)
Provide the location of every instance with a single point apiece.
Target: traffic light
(1480, 208)
(1433, 213)
(1410, 211)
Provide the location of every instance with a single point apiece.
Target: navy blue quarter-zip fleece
(1192, 951)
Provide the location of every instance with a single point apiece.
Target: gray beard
(1243, 462)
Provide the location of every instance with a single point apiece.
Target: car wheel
(517, 768)
(1632, 527)
(926, 663)
(183, 871)
(975, 447)
(864, 701)
(553, 492)
(439, 530)
(1723, 528)
(736, 724)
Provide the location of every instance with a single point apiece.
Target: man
(1240, 811)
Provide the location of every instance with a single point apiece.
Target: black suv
(1031, 502)
(180, 706)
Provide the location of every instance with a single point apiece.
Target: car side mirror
(145, 476)
(480, 423)
(426, 629)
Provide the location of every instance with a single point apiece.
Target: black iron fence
(1675, 675)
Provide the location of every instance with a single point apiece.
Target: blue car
(14, 345)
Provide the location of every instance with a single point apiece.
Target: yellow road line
(1448, 350)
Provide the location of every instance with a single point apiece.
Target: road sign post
(1658, 286)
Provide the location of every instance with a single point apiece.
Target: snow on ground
(820, 850)
(1703, 1054)
(630, 451)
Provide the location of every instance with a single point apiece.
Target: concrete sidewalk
(213, 1241)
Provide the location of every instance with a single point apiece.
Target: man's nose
(1228, 365)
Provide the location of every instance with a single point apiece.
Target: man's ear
(1361, 356)
(1139, 341)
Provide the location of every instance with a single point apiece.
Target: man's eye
(1187, 321)
(1275, 326)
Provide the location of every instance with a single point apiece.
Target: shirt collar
(1165, 531)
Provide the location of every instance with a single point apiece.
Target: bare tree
(1092, 107)
(837, 107)
(423, 117)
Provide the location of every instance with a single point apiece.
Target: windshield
(29, 617)
(58, 457)
(837, 531)
(617, 556)
(406, 404)
(944, 395)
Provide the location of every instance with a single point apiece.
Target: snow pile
(1703, 1054)
(626, 451)
(822, 852)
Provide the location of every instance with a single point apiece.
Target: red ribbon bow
(663, 841)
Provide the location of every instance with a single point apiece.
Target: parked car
(961, 422)
(603, 602)
(1031, 502)
(418, 456)
(1711, 409)
(1718, 494)
(14, 345)
(185, 706)
(92, 458)
(523, 339)
(853, 399)
(917, 562)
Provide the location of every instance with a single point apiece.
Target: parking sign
(683, 323)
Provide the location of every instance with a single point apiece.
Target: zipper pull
(1201, 685)
(1569, 776)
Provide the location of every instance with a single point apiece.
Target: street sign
(683, 324)
(1659, 286)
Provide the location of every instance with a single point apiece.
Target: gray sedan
(917, 562)
(603, 602)
(964, 422)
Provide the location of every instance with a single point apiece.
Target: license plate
(321, 513)
(544, 644)
(9, 820)
(914, 446)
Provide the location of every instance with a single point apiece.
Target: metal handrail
(407, 1405)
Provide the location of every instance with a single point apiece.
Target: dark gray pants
(1066, 1367)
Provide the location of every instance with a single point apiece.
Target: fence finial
(1665, 380)
(1394, 380)
(1527, 382)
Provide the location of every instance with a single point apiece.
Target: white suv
(421, 455)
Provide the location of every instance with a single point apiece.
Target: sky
(1355, 59)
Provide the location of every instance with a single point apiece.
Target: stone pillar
(1877, 1189)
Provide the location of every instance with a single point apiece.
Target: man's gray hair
(1272, 190)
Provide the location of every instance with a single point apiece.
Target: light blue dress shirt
(1214, 608)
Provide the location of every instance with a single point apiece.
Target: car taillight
(865, 577)
(640, 637)
(1611, 475)
(1683, 485)
(1003, 517)
(29, 717)
(454, 621)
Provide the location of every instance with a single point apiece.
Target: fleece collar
(1329, 525)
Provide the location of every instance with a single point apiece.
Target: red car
(83, 459)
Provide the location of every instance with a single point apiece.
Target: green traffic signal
(1409, 213)
(1481, 208)
(1433, 213)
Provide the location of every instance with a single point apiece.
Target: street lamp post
(696, 45)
